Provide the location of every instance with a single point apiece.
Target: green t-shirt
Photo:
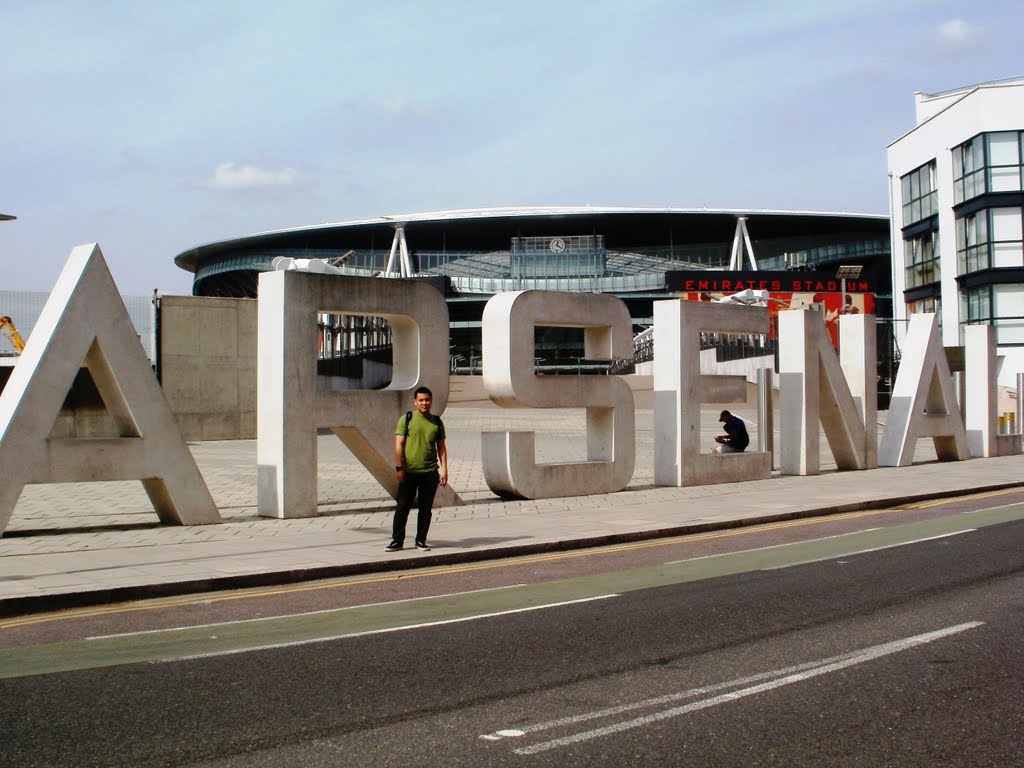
(421, 442)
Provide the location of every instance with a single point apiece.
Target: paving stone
(51, 549)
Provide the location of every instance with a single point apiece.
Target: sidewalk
(79, 544)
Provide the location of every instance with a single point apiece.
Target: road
(870, 639)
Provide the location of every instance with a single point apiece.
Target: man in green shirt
(421, 464)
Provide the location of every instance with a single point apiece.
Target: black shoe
(394, 546)
(422, 545)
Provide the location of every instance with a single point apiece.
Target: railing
(728, 346)
(617, 283)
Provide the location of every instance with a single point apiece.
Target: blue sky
(154, 127)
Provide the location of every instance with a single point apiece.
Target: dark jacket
(737, 432)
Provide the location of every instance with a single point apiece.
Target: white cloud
(233, 176)
(401, 108)
(958, 34)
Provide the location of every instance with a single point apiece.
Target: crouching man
(735, 439)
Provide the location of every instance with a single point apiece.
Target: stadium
(639, 255)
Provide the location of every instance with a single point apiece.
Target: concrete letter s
(509, 464)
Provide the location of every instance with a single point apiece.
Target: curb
(28, 604)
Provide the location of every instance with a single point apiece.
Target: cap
(724, 416)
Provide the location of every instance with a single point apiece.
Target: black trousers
(416, 484)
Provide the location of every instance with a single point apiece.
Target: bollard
(765, 414)
(1020, 398)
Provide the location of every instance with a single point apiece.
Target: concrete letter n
(509, 463)
(816, 387)
(291, 408)
(680, 389)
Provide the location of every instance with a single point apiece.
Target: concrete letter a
(923, 402)
(85, 322)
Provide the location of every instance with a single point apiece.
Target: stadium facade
(638, 255)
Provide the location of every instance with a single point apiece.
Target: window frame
(920, 193)
(974, 172)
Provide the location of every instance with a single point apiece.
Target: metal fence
(24, 308)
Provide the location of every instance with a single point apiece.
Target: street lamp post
(847, 272)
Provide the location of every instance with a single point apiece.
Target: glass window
(1003, 148)
(988, 163)
(990, 238)
(1001, 306)
(919, 194)
(975, 307)
(967, 245)
(1006, 237)
(1004, 161)
(931, 304)
(922, 265)
(1008, 301)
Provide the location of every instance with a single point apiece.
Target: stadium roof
(702, 225)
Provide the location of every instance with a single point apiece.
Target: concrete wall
(207, 354)
(207, 370)
(82, 414)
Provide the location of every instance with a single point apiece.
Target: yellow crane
(7, 326)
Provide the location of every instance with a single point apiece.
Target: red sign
(829, 302)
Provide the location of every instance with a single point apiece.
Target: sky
(151, 128)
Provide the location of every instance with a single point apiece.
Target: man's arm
(442, 461)
(399, 455)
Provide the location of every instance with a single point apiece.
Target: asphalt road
(883, 646)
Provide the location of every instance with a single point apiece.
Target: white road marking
(387, 630)
(300, 615)
(865, 551)
(773, 546)
(989, 509)
(505, 734)
(782, 677)
(659, 700)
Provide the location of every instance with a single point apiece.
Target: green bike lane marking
(322, 626)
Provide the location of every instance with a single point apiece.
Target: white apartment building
(957, 205)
